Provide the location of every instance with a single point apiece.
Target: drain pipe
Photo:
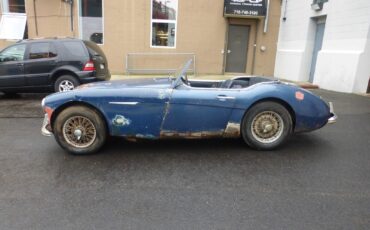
(35, 14)
(265, 28)
(71, 3)
(284, 14)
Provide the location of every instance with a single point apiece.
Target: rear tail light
(89, 66)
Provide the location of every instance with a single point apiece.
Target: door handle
(224, 97)
(228, 51)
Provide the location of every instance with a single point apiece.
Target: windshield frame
(180, 73)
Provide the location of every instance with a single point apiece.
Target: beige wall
(201, 32)
(53, 19)
(201, 29)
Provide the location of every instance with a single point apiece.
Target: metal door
(237, 48)
(198, 111)
(320, 28)
(133, 116)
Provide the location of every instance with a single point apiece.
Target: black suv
(56, 64)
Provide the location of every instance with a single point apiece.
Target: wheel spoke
(79, 132)
(66, 85)
(267, 127)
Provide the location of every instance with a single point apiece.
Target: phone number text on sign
(246, 12)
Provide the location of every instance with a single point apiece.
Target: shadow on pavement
(27, 105)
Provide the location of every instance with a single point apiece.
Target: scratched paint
(145, 136)
(120, 120)
(162, 93)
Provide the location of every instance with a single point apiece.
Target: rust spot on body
(232, 130)
(191, 135)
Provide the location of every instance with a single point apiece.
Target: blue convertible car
(263, 112)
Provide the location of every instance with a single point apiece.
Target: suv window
(13, 53)
(42, 50)
(75, 48)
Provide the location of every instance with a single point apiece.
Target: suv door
(41, 60)
(11, 66)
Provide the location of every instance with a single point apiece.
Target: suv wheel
(65, 83)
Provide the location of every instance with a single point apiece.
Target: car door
(12, 66)
(134, 116)
(41, 59)
(195, 112)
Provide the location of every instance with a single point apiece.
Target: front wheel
(80, 130)
(266, 126)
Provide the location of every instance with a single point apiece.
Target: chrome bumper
(45, 129)
(333, 117)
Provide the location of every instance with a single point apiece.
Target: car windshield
(180, 74)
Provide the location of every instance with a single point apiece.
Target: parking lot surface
(318, 180)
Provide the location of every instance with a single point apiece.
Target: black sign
(245, 8)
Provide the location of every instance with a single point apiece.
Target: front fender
(55, 103)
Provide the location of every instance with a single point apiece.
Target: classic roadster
(262, 111)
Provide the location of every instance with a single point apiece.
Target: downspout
(71, 2)
(284, 14)
(35, 14)
(267, 17)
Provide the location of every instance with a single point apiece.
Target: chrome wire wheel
(66, 85)
(79, 131)
(267, 127)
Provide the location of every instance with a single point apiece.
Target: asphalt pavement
(318, 180)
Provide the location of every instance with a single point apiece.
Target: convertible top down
(263, 112)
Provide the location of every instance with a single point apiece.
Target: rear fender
(308, 111)
(65, 70)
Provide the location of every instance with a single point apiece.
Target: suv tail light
(89, 66)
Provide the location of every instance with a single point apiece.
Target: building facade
(326, 42)
(242, 40)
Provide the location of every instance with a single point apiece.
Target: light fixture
(317, 6)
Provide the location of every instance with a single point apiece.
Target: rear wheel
(65, 83)
(266, 126)
(80, 130)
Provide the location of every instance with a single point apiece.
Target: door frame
(253, 25)
(312, 68)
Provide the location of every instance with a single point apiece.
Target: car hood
(146, 82)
